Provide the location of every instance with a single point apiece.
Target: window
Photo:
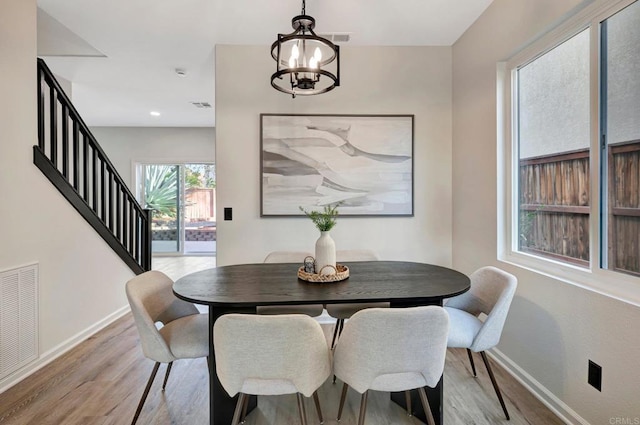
(573, 194)
(620, 68)
(553, 152)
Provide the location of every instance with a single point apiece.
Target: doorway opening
(182, 198)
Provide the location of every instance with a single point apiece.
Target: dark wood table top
(250, 285)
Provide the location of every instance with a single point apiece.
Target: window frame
(607, 282)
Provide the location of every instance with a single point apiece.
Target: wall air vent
(18, 318)
(337, 37)
(201, 105)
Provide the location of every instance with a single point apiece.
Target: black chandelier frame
(303, 79)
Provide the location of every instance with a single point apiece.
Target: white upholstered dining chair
(341, 312)
(184, 333)
(388, 349)
(289, 257)
(271, 355)
(491, 293)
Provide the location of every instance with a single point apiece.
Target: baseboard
(46, 358)
(557, 406)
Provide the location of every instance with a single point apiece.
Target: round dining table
(241, 288)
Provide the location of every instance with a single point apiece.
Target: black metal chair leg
(145, 393)
(343, 397)
(495, 384)
(317, 403)
(236, 412)
(425, 406)
(363, 408)
(473, 365)
(166, 375)
(407, 397)
(335, 333)
(301, 409)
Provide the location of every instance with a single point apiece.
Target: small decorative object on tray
(309, 264)
(308, 273)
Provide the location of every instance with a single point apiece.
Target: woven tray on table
(340, 273)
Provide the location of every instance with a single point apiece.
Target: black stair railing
(71, 158)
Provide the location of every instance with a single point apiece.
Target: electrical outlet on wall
(594, 377)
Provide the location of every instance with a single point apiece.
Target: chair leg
(363, 407)
(244, 410)
(425, 406)
(236, 413)
(343, 397)
(335, 333)
(145, 393)
(495, 384)
(317, 403)
(473, 365)
(166, 375)
(407, 397)
(303, 412)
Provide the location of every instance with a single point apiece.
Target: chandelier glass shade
(306, 64)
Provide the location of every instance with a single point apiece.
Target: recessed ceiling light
(154, 113)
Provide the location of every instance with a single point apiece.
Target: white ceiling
(121, 55)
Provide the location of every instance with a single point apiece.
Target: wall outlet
(594, 377)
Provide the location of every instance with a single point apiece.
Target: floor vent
(18, 318)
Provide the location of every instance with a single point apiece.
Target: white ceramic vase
(325, 253)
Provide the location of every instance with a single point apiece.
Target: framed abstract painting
(365, 162)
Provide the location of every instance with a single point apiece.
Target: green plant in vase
(324, 220)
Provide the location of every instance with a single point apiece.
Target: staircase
(71, 158)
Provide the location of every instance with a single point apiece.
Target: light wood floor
(100, 382)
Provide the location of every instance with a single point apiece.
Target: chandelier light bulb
(292, 62)
(317, 54)
(313, 62)
(295, 52)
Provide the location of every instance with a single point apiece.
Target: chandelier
(304, 60)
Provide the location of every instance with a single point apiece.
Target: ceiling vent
(337, 37)
(201, 105)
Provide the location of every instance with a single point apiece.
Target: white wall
(553, 327)
(66, 85)
(374, 80)
(81, 279)
(127, 145)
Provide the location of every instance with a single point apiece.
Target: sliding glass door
(199, 212)
(182, 197)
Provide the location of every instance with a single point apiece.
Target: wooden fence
(624, 207)
(200, 204)
(555, 204)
